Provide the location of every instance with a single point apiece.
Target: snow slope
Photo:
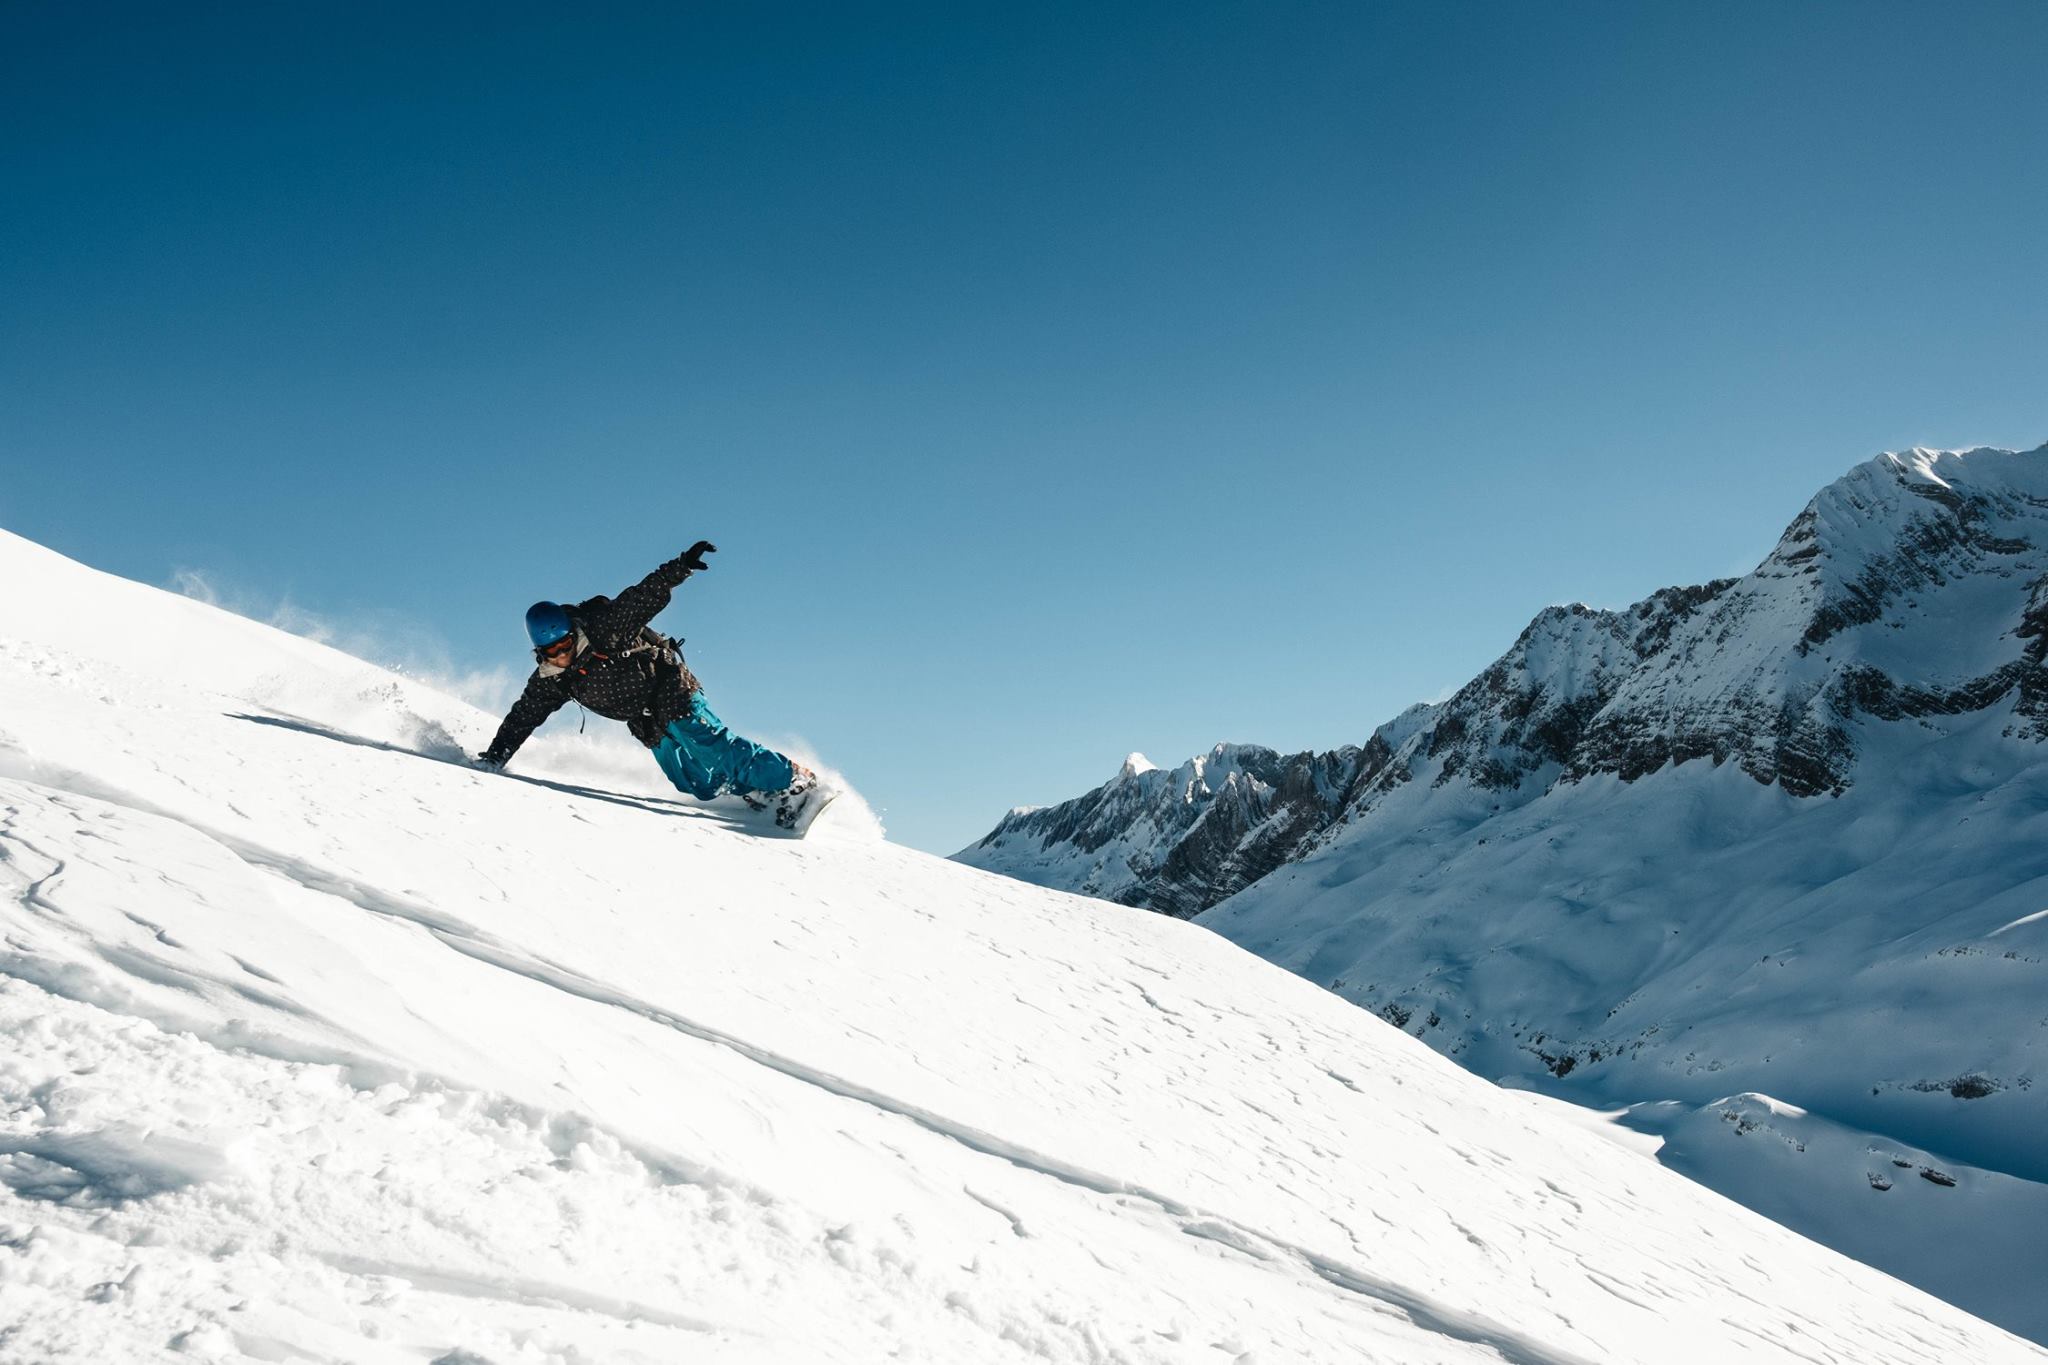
(319, 1046)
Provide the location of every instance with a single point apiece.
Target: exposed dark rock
(1967, 1087)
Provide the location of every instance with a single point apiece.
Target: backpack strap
(666, 648)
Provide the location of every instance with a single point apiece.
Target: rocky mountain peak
(1915, 585)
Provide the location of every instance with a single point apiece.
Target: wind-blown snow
(322, 1046)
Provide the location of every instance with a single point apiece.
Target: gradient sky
(1058, 380)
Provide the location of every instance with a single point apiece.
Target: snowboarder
(602, 654)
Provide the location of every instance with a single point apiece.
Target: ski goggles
(560, 652)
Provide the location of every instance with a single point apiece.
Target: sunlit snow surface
(319, 1045)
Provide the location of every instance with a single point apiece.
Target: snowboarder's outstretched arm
(642, 602)
(542, 698)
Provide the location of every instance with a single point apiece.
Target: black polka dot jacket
(621, 668)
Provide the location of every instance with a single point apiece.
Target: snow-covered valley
(320, 1045)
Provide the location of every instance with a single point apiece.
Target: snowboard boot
(796, 807)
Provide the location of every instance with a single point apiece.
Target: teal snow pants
(705, 759)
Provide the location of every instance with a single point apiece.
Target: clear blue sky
(1058, 380)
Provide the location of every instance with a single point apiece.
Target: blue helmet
(547, 622)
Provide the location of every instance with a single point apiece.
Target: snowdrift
(320, 1046)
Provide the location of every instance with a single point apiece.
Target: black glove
(693, 558)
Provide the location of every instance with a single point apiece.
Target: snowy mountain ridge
(1914, 586)
(321, 1045)
(1174, 839)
